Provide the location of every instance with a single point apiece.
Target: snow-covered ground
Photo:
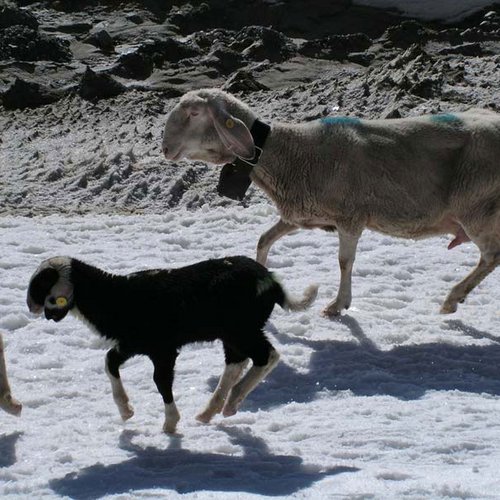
(432, 10)
(392, 400)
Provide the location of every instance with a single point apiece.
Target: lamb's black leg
(114, 359)
(235, 364)
(164, 378)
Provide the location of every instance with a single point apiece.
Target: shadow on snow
(405, 372)
(8, 449)
(257, 471)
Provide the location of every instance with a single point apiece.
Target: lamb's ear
(233, 133)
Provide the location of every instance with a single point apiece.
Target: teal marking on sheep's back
(446, 119)
(341, 120)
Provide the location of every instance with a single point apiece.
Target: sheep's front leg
(267, 240)
(347, 252)
(7, 402)
(164, 378)
(114, 359)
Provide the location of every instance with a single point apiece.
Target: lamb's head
(209, 125)
(50, 289)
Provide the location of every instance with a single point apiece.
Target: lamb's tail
(308, 297)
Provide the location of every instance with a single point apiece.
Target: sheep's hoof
(229, 411)
(205, 417)
(448, 308)
(11, 405)
(331, 311)
(336, 307)
(126, 412)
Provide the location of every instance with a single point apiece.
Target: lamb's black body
(156, 312)
(152, 312)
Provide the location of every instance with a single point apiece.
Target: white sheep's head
(203, 126)
(50, 289)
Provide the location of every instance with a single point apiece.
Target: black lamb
(156, 312)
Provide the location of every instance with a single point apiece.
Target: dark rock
(414, 71)
(25, 44)
(206, 39)
(95, 86)
(295, 18)
(224, 59)
(102, 40)
(362, 58)
(242, 81)
(12, 16)
(472, 49)
(335, 47)
(169, 49)
(75, 28)
(259, 43)
(391, 112)
(134, 18)
(55, 174)
(407, 33)
(478, 35)
(134, 65)
(23, 94)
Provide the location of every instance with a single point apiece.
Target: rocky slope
(85, 86)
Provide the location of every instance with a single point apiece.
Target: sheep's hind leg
(262, 366)
(7, 402)
(114, 359)
(489, 246)
(232, 373)
(487, 263)
(271, 236)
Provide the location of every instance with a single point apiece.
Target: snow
(391, 400)
(432, 10)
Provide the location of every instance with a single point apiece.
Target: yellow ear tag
(229, 123)
(61, 301)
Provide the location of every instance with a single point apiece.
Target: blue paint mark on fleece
(446, 119)
(341, 120)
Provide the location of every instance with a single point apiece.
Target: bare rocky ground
(85, 86)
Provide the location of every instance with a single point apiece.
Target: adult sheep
(412, 177)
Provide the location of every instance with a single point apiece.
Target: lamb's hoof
(126, 413)
(169, 428)
(448, 308)
(11, 405)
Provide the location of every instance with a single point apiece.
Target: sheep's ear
(233, 133)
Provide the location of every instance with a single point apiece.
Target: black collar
(234, 178)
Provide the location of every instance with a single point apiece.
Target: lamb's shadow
(405, 372)
(257, 471)
(8, 449)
